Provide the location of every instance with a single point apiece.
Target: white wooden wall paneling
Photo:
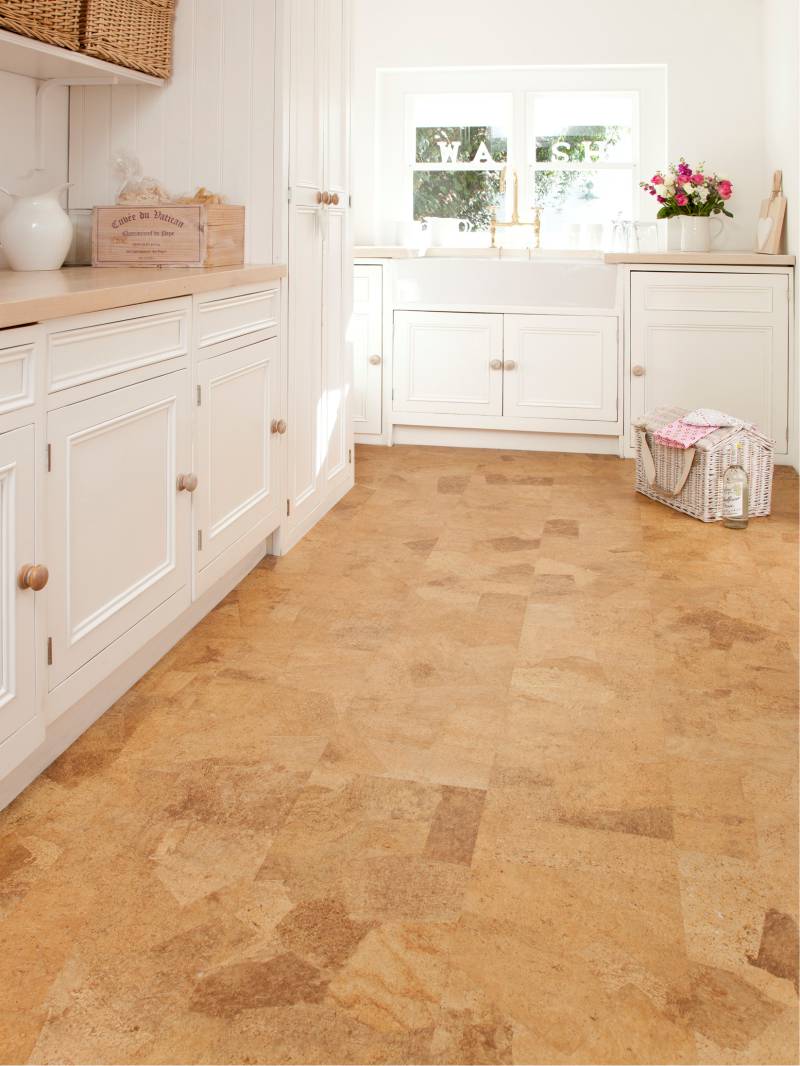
(212, 125)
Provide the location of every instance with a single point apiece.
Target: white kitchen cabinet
(560, 367)
(320, 292)
(448, 363)
(705, 339)
(367, 334)
(238, 430)
(21, 726)
(118, 525)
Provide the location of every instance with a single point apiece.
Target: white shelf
(34, 59)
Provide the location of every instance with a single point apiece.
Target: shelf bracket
(43, 90)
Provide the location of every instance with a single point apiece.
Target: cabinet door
(337, 355)
(21, 728)
(712, 340)
(560, 366)
(307, 79)
(306, 437)
(118, 527)
(336, 97)
(237, 466)
(367, 333)
(447, 363)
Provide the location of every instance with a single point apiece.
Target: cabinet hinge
(49, 458)
(349, 455)
(288, 507)
(289, 194)
(392, 393)
(350, 200)
(49, 651)
(199, 540)
(199, 395)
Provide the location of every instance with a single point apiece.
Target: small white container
(36, 233)
(696, 235)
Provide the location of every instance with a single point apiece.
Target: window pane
(582, 127)
(584, 195)
(461, 144)
(468, 194)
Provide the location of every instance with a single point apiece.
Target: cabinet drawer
(17, 368)
(109, 345)
(707, 292)
(235, 314)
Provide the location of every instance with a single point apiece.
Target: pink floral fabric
(680, 434)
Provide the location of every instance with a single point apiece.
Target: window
(459, 146)
(577, 138)
(582, 156)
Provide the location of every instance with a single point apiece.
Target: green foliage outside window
(468, 194)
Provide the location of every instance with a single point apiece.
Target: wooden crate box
(188, 235)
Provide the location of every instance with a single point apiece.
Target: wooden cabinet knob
(334, 198)
(375, 360)
(326, 198)
(320, 197)
(496, 364)
(187, 482)
(278, 425)
(638, 371)
(33, 577)
(510, 364)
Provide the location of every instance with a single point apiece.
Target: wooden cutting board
(770, 221)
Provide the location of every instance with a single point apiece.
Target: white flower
(688, 188)
(701, 192)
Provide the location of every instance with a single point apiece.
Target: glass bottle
(735, 492)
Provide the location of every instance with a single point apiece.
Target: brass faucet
(516, 221)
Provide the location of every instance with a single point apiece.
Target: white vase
(37, 232)
(696, 233)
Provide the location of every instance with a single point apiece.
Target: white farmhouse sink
(486, 284)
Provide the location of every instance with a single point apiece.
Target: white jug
(446, 231)
(37, 232)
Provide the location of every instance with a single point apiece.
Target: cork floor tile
(499, 765)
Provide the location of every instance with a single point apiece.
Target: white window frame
(393, 167)
(585, 166)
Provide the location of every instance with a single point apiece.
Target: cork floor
(498, 765)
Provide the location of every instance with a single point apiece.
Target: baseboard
(506, 440)
(66, 729)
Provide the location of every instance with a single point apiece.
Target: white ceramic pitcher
(37, 232)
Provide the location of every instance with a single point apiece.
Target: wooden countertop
(35, 296)
(700, 258)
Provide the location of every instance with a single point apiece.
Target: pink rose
(724, 188)
(661, 199)
(681, 199)
(657, 179)
(697, 179)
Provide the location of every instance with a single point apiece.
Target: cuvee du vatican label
(149, 235)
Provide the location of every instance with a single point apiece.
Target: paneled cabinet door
(560, 366)
(448, 363)
(367, 331)
(307, 118)
(306, 430)
(712, 340)
(337, 353)
(237, 452)
(119, 527)
(21, 728)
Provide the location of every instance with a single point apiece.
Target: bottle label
(733, 501)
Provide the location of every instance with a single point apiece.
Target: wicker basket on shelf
(52, 21)
(132, 33)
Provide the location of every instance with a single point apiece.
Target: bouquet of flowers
(686, 190)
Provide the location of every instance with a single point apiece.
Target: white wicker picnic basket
(690, 480)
